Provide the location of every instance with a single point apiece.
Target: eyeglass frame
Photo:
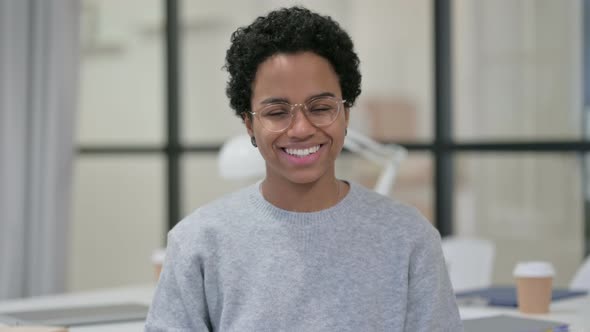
(341, 104)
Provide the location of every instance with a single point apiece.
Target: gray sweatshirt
(365, 264)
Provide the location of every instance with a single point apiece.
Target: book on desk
(505, 296)
(507, 323)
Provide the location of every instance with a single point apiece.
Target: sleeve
(179, 301)
(431, 301)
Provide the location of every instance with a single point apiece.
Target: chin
(304, 177)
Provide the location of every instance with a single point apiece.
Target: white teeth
(303, 152)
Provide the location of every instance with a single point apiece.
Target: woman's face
(289, 155)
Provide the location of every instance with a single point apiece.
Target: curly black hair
(289, 30)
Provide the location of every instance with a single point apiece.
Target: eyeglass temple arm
(388, 156)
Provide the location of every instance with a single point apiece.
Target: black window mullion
(443, 156)
(173, 146)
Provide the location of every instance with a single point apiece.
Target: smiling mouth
(303, 152)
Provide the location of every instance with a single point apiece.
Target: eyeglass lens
(320, 112)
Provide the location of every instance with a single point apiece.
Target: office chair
(470, 261)
(581, 279)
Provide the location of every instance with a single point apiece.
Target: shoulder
(403, 219)
(213, 217)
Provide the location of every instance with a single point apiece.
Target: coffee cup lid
(534, 269)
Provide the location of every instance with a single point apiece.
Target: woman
(301, 250)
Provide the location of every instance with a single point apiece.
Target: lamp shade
(238, 159)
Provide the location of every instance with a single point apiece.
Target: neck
(307, 197)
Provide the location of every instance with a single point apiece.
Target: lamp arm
(387, 156)
(386, 179)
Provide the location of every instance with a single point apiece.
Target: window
(487, 96)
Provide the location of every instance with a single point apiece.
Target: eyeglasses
(321, 112)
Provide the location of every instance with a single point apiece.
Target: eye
(275, 111)
(323, 105)
(321, 108)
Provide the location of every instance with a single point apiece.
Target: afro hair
(289, 30)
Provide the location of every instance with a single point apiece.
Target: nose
(300, 126)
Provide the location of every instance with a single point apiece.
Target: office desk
(575, 311)
(137, 294)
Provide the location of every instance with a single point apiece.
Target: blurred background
(493, 111)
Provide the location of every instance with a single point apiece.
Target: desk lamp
(388, 157)
(238, 159)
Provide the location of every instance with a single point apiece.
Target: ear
(248, 123)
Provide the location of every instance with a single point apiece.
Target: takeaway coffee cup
(158, 260)
(534, 281)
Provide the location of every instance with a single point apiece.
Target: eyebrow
(274, 100)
